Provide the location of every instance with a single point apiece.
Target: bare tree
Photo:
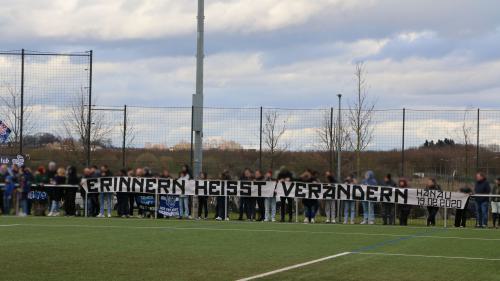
(466, 131)
(328, 133)
(273, 131)
(360, 116)
(76, 126)
(10, 111)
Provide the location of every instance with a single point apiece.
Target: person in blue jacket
(482, 187)
(10, 185)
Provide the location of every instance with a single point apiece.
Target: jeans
(24, 206)
(54, 207)
(349, 209)
(482, 213)
(331, 209)
(368, 214)
(311, 206)
(6, 204)
(270, 207)
(105, 197)
(183, 206)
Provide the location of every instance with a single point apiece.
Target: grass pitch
(44, 248)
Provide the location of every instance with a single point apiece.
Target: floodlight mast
(198, 96)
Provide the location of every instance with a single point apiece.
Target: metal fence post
(124, 141)
(332, 143)
(191, 149)
(260, 141)
(477, 142)
(403, 144)
(89, 116)
(21, 117)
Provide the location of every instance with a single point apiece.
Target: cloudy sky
(284, 53)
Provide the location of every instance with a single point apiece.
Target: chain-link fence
(46, 97)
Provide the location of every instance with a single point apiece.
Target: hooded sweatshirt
(369, 178)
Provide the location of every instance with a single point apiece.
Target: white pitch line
(427, 256)
(257, 230)
(9, 225)
(293, 267)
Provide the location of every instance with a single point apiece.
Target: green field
(42, 248)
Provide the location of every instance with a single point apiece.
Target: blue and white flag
(4, 132)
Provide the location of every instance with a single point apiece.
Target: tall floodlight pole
(339, 140)
(198, 96)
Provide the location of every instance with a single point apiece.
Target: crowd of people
(37, 193)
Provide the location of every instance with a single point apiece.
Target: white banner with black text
(292, 189)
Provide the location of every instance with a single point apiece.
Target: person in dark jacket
(203, 200)
(330, 204)
(122, 199)
(461, 214)
(286, 203)
(388, 208)
(495, 203)
(482, 187)
(310, 205)
(25, 180)
(221, 210)
(70, 192)
(245, 205)
(432, 211)
(260, 200)
(404, 209)
(59, 179)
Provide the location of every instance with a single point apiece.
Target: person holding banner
(261, 201)
(221, 211)
(461, 214)
(310, 205)
(432, 211)
(70, 192)
(59, 179)
(404, 209)
(349, 205)
(330, 205)
(203, 200)
(185, 174)
(270, 202)
(495, 203)
(245, 205)
(286, 203)
(388, 208)
(105, 197)
(482, 187)
(368, 207)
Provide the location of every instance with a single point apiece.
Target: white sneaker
(312, 220)
(100, 216)
(218, 218)
(56, 214)
(327, 221)
(363, 222)
(266, 220)
(50, 214)
(333, 221)
(227, 218)
(372, 222)
(345, 222)
(352, 222)
(306, 220)
(109, 215)
(273, 220)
